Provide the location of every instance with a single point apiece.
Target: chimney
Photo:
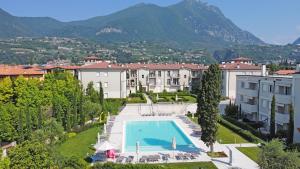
(263, 70)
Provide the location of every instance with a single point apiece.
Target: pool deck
(133, 112)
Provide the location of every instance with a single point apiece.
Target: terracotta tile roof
(103, 65)
(285, 72)
(153, 66)
(6, 70)
(239, 66)
(47, 67)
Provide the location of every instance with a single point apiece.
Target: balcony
(249, 107)
(152, 75)
(283, 118)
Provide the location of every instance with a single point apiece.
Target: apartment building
(112, 77)
(231, 70)
(255, 93)
(160, 77)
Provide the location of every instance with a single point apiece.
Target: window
(185, 76)
(159, 73)
(169, 73)
(97, 74)
(143, 76)
(169, 82)
(288, 90)
(106, 84)
(241, 98)
(98, 84)
(271, 88)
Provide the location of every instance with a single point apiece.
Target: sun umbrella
(108, 116)
(137, 149)
(104, 129)
(104, 146)
(174, 145)
(98, 138)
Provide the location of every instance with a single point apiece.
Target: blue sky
(274, 21)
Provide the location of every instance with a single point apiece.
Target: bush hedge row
(245, 126)
(244, 133)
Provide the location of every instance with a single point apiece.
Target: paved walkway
(149, 101)
(132, 112)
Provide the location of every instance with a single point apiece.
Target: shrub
(247, 127)
(72, 134)
(244, 133)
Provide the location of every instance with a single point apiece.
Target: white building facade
(255, 93)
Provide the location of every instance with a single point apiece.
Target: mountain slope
(189, 23)
(297, 42)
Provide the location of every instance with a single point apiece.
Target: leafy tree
(91, 109)
(20, 127)
(232, 110)
(6, 90)
(273, 156)
(7, 131)
(208, 101)
(291, 125)
(30, 155)
(51, 132)
(4, 163)
(140, 87)
(91, 92)
(70, 162)
(272, 118)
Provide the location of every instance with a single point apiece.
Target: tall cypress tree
(101, 94)
(80, 110)
(291, 125)
(209, 98)
(272, 118)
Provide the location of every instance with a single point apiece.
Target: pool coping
(167, 151)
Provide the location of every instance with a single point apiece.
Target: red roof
(239, 66)
(165, 66)
(105, 65)
(285, 72)
(47, 67)
(154, 66)
(6, 70)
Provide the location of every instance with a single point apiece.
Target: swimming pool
(155, 136)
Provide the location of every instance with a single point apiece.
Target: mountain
(297, 42)
(189, 23)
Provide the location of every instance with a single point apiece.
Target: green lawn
(192, 165)
(225, 135)
(80, 144)
(251, 152)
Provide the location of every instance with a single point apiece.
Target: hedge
(136, 98)
(244, 133)
(245, 126)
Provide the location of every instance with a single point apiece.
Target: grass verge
(251, 152)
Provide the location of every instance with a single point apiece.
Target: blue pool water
(155, 136)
